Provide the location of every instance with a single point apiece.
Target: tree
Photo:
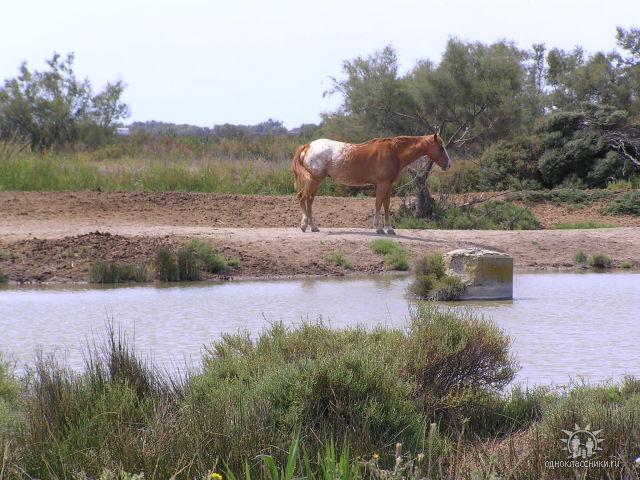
(53, 106)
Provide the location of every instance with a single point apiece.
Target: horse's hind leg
(303, 206)
(310, 198)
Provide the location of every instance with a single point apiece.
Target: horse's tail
(301, 176)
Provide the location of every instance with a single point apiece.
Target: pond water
(563, 326)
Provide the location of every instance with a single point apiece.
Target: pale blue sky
(244, 61)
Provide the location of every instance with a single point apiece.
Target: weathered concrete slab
(487, 274)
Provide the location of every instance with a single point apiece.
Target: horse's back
(324, 154)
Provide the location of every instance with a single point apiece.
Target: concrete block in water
(487, 274)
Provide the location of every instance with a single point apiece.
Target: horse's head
(435, 151)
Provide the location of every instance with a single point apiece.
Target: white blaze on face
(449, 162)
(323, 154)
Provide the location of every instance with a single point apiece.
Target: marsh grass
(396, 257)
(203, 251)
(580, 257)
(144, 169)
(278, 406)
(114, 272)
(339, 260)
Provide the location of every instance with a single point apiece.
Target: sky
(245, 61)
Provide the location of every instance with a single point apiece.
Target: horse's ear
(435, 136)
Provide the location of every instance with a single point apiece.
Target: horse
(377, 162)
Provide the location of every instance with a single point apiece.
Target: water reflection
(562, 325)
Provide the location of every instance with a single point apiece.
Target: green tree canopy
(53, 106)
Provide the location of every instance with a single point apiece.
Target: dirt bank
(54, 236)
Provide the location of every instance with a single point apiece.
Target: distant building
(122, 131)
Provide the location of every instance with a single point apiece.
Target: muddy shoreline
(53, 237)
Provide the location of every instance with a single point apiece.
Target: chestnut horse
(376, 162)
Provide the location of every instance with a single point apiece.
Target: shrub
(488, 216)
(234, 263)
(3, 276)
(203, 251)
(431, 283)
(336, 258)
(625, 204)
(510, 164)
(600, 260)
(371, 387)
(114, 272)
(580, 257)
(626, 264)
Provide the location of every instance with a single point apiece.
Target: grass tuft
(396, 257)
(114, 272)
(338, 259)
(600, 260)
(166, 266)
(581, 225)
(210, 260)
(580, 257)
(431, 283)
(3, 277)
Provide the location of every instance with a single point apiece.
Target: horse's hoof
(391, 231)
(303, 228)
(315, 229)
(379, 230)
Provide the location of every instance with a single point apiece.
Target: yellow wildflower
(375, 456)
(215, 476)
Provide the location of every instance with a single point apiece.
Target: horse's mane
(392, 142)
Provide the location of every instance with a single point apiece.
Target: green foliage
(600, 260)
(385, 247)
(411, 223)
(114, 272)
(397, 260)
(626, 264)
(166, 266)
(3, 277)
(396, 257)
(234, 263)
(204, 253)
(580, 225)
(430, 265)
(337, 258)
(488, 216)
(559, 196)
(53, 107)
(509, 164)
(580, 257)
(624, 204)
(189, 265)
(431, 283)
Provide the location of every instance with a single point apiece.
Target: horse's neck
(414, 149)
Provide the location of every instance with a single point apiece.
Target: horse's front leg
(382, 191)
(387, 223)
